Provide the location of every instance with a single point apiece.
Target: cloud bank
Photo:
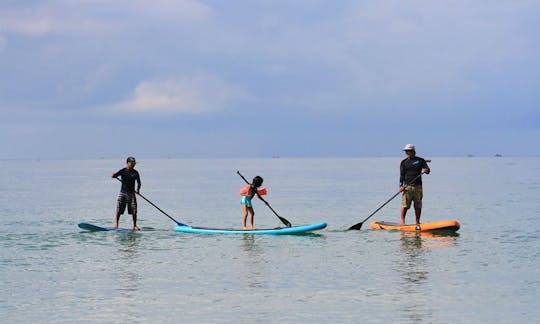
(316, 77)
(194, 95)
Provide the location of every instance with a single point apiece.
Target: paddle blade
(284, 221)
(357, 226)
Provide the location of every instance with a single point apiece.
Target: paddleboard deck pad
(271, 231)
(95, 228)
(444, 225)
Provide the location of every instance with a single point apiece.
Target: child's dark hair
(257, 181)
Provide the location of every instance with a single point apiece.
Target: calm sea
(52, 272)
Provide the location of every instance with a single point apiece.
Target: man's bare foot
(115, 225)
(136, 228)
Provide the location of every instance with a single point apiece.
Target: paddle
(283, 220)
(359, 225)
(151, 203)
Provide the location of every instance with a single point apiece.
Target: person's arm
(138, 182)
(401, 177)
(115, 175)
(425, 168)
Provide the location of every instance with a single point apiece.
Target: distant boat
(498, 155)
(470, 155)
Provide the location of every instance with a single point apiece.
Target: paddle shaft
(359, 225)
(151, 203)
(283, 220)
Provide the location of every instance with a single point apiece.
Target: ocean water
(53, 272)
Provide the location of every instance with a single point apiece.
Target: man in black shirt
(410, 182)
(128, 176)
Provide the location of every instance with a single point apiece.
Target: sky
(84, 79)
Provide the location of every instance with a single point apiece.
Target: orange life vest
(245, 191)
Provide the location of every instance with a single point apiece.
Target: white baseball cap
(409, 147)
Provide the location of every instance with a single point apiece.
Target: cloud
(185, 10)
(194, 95)
(349, 68)
(85, 16)
(43, 21)
(10, 23)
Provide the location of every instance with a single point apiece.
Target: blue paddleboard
(93, 228)
(272, 231)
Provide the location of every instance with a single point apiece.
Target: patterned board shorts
(412, 193)
(129, 199)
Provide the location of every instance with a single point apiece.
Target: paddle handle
(151, 203)
(389, 200)
(241, 176)
(359, 225)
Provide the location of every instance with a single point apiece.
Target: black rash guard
(410, 168)
(128, 177)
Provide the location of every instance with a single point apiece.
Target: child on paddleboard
(247, 193)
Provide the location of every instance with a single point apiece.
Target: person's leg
(116, 220)
(252, 214)
(403, 214)
(244, 216)
(135, 227)
(418, 212)
(405, 205)
(132, 209)
(418, 195)
(120, 208)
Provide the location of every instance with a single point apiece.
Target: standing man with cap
(410, 182)
(128, 176)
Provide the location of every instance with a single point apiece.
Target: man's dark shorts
(129, 199)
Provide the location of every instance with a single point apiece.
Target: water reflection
(127, 270)
(254, 259)
(128, 244)
(434, 240)
(248, 243)
(412, 269)
(411, 241)
(413, 266)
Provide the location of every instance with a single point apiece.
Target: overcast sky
(175, 78)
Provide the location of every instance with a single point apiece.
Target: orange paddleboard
(444, 225)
